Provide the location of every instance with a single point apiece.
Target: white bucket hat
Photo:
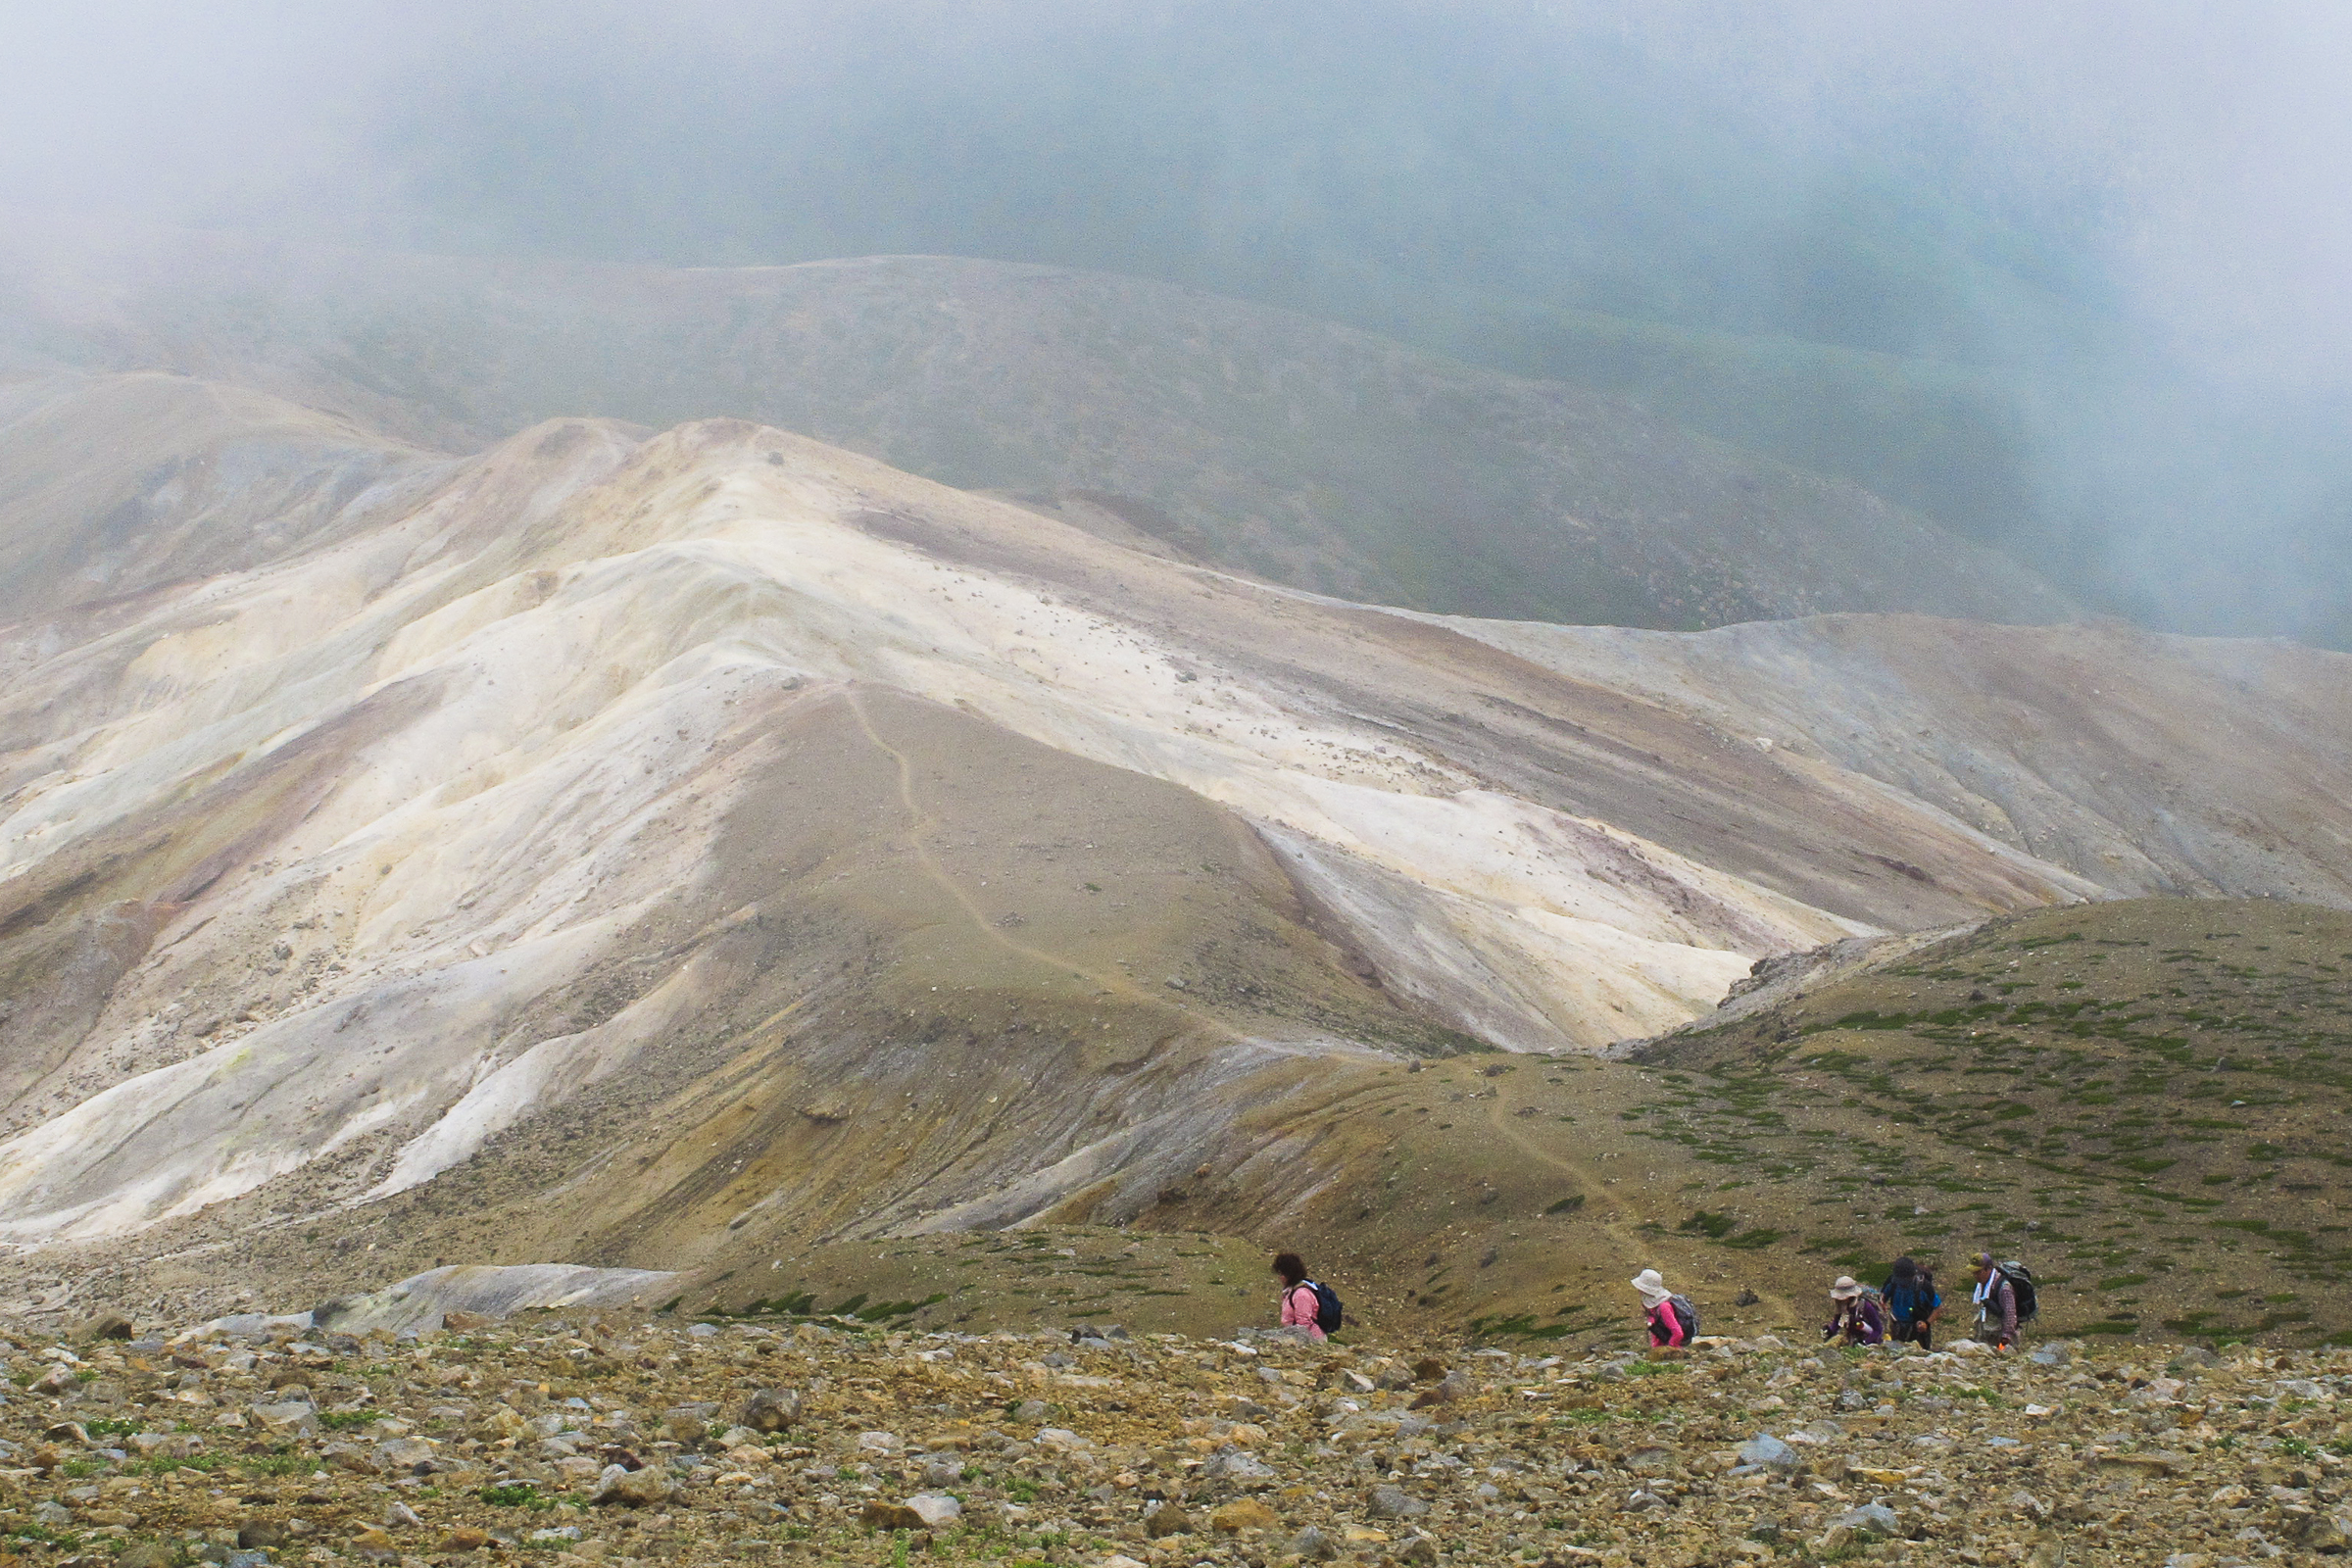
(1845, 1290)
(1652, 1288)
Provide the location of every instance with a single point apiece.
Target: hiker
(1302, 1305)
(1673, 1322)
(1855, 1315)
(1911, 1303)
(1995, 1296)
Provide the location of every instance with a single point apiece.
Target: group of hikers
(1904, 1309)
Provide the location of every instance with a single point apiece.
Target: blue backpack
(1329, 1314)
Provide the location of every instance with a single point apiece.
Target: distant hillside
(674, 850)
(2151, 1094)
(1232, 434)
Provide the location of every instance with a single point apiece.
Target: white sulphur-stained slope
(770, 577)
(571, 626)
(460, 903)
(224, 1122)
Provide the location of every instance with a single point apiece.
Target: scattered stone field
(565, 1441)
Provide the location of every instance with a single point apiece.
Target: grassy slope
(2140, 1098)
(2144, 1098)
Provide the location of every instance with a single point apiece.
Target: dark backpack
(1909, 1303)
(1329, 1314)
(1688, 1313)
(2020, 1281)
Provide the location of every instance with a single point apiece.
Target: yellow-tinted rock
(1243, 1514)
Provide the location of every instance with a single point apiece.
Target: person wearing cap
(1855, 1315)
(1996, 1304)
(1668, 1328)
(1912, 1303)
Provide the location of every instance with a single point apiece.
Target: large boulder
(773, 1409)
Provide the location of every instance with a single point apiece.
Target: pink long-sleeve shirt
(1299, 1307)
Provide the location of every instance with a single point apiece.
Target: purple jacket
(1862, 1321)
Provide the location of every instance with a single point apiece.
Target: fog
(2068, 280)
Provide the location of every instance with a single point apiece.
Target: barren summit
(668, 850)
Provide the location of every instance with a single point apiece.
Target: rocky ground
(573, 1442)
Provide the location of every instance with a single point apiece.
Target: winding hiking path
(1623, 1222)
(924, 822)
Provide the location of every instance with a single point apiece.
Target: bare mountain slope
(116, 485)
(1252, 438)
(655, 850)
(2145, 763)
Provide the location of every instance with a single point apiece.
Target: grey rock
(1394, 1503)
(1871, 1519)
(2049, 1355)
(632, 1488)
(773, 1409)
(1167, 1519)
(2323, 1534)
(937, 1509)
(1769, 1453)
(1311, 1544)
(1237, 1465)
(288, 1415)
(349, 1456)
(1416, 1549)
(943, 1470)
(413, 1455)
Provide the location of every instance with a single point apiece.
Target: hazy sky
(2154, 197)
(2219, 134)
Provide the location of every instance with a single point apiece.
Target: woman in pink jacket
(1299, 1299)
(1669, 1329)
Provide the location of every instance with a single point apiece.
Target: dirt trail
(1623, 1220)
(924, 822)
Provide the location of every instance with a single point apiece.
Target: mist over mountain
(1230, 435)
(2003, 268)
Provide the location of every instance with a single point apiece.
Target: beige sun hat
(1845, 1290)
(1652, 1286)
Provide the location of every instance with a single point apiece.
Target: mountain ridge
(1253, 437)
